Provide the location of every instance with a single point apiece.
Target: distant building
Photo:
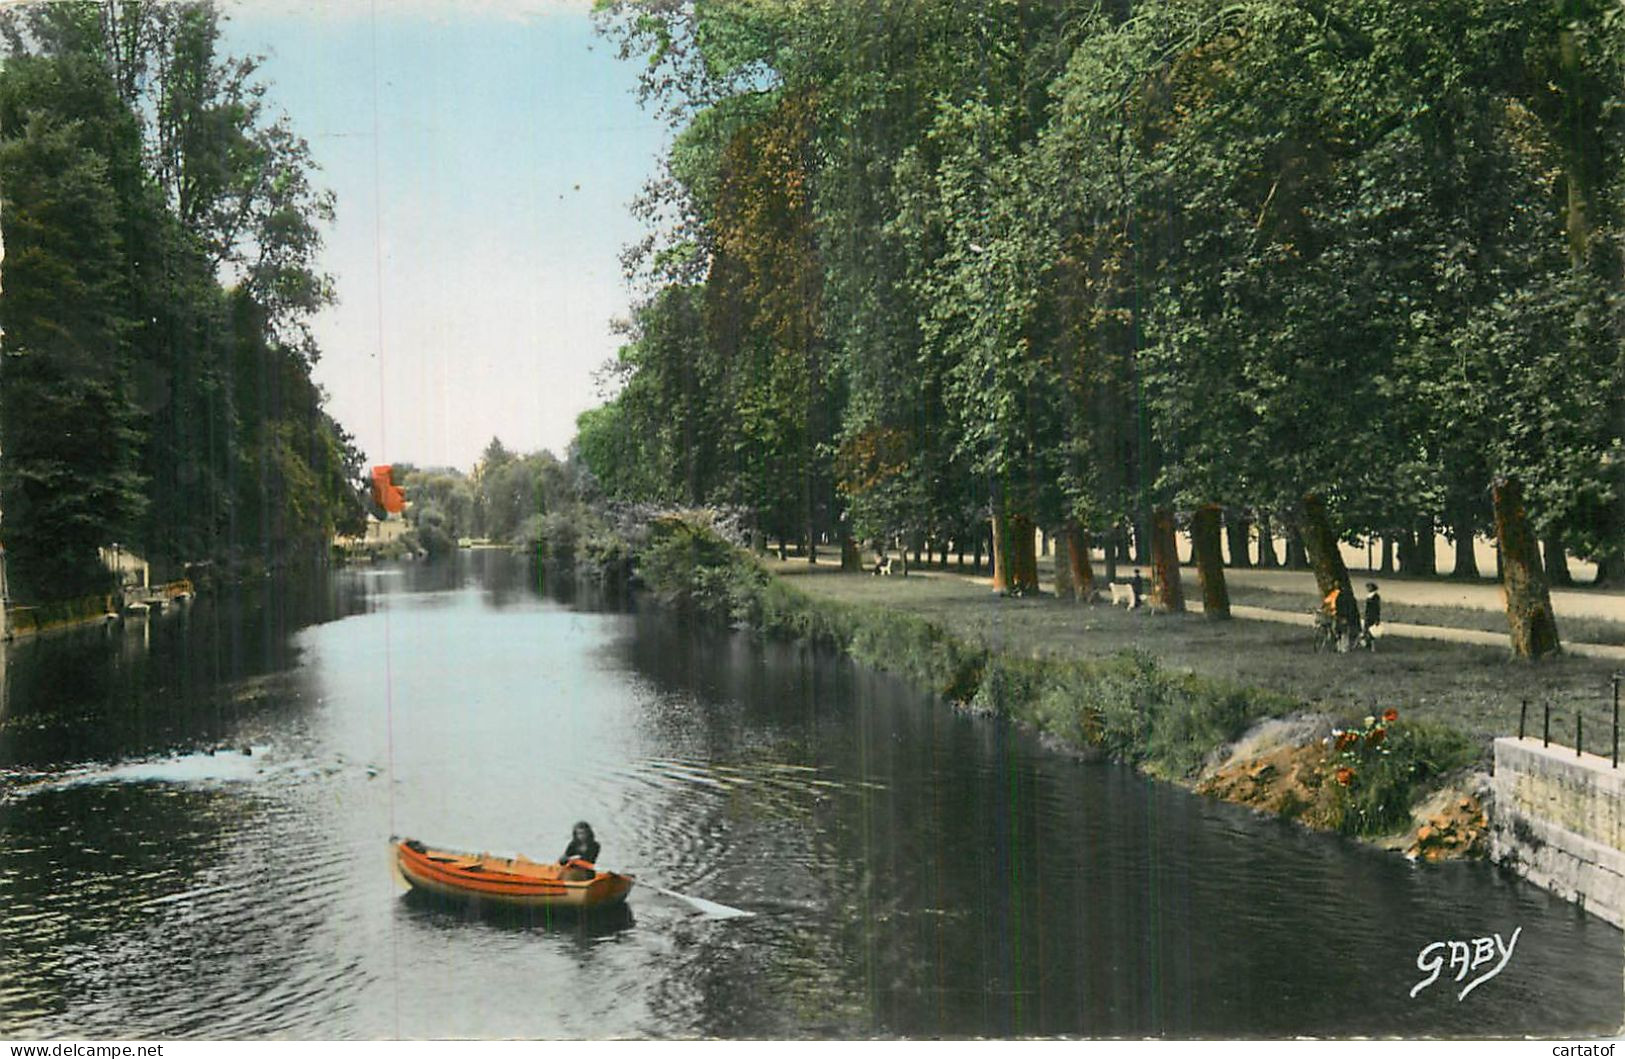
(129, 568)
(385, 493)
(379, 532)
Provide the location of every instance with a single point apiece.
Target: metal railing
(1614, 683)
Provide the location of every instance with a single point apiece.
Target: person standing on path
(1373, 616)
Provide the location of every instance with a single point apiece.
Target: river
(196, 807)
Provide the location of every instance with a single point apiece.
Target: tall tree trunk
(1426, 551)
(1296, 558)
(811, 512)
(1003, 559)
(1557, 560)
(1387, 563)
(1064, 585)
(1143, 542)
(1209, 564)
(1238, 527)
(1320, 546)
(1466, 556)
(1074, 576)
(1015, 561)
(1167, 593)
(851, 559)
(1024, 549)
(1077, 552)
(1266, 543)
(1108, 553)
(1610, 569)
(976, 551)
(1529, 604)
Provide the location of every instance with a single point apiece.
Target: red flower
(1345, 776)
(1390, 715)
(1347, 739)
(1377, 735)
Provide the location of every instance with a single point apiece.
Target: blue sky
(476, 249)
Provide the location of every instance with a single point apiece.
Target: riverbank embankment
(1394, 746)
(1092, 681)
(19, 620)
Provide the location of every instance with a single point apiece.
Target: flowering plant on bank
(1357, 747)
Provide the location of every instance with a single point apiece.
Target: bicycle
(1325, 631)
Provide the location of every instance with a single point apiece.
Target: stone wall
(26, 620)
(1559, 820)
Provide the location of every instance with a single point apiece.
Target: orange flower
(1347, 739)
(1390, 715)
(1377, 736)
(1345, 776)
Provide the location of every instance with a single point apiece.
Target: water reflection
(437, 913)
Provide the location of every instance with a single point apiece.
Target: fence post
(1579, 732)
(1523, 715)
(1546, 727)
(1615, 682)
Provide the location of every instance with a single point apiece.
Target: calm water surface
(914, 872)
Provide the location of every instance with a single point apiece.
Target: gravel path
(1475, 595)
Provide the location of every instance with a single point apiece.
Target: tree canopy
(161, 232)
(914, 264)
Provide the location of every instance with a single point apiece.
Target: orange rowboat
(514, 882)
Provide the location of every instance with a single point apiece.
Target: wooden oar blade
(709, 908)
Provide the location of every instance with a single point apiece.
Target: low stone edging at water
(61, 614)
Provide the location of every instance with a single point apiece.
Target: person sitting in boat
(582, 852)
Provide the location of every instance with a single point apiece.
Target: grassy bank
(1161, 693)
(1477, 690)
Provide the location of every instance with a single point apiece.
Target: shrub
(1378, 766)
(918, 651)
(689, 567)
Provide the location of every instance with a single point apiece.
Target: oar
(699, 904)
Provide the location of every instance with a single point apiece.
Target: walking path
(1418, 632)
(1476, 595)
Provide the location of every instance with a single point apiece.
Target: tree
(67, 423)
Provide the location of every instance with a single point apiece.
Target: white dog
(1123, 591)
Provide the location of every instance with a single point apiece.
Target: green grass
(1474, 689)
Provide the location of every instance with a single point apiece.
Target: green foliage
(1381, 766)
(690, 568)
(68, 427)
(1066, 264)
(920, 652)
(161, 233)
(1127, 707)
